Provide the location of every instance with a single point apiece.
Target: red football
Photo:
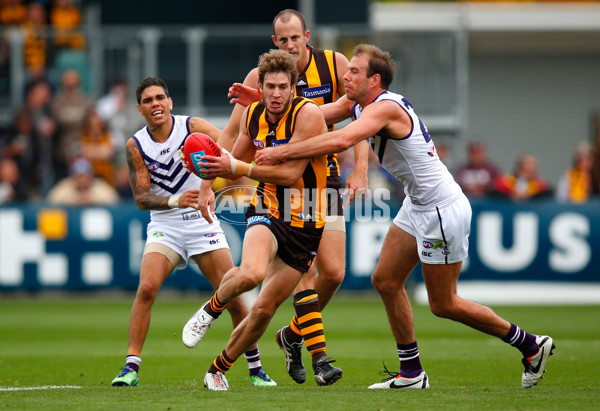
(197, 145)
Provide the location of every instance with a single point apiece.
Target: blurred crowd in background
(63, 148)
(479, 177)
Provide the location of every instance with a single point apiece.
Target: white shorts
(187, 238)
(442, 234)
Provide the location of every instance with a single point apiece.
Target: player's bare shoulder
(310, 121)
(200, 125)
(251, 79)
(132, 153)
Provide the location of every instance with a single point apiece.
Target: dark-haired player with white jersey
(432, 226)
(176, 232)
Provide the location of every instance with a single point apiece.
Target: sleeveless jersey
(300, 205)
(413, 159)
(318, 82)
(167, 175)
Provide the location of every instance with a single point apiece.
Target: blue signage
(48, 247)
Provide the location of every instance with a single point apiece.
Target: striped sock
(215, 307)
(310, 322)
(222, 363)
(253, 358)
(292, 333)
(133, 361)
(410, 363)
(521, 340)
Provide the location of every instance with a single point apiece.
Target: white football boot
(216, 382)
(398, 381)
(196, 327)
(535, 366)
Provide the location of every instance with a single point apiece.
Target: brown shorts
(297, 247)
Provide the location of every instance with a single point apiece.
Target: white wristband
(173, 202)
(233, 163)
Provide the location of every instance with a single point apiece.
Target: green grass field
(63, 341)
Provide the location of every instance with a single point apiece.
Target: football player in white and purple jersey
(177, 232)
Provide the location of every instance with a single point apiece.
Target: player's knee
(442, 310)
(147, 291)
(248, 278)
(382, 284)
(332, 278)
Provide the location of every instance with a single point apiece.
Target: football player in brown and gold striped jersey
(284, 221)
(320, 79)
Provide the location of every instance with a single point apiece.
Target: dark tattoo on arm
(139, 179)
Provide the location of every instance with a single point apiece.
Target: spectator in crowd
(32, 138)
(596, 157)
(122, 119)
(444, 154)
(13, 13)
(81, 188)
(122, 182)
(97, 147)
(69, 108)
(37, 53)
(477, 177)
(575, 185)
(22, 147)
(525, 183)
(9, 178)
(65, 18)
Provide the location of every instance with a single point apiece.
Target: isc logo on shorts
(191, 215)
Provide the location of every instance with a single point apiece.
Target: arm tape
(173, 202)
(239, 167)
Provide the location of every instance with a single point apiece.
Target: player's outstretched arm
(337, 111)
(373, 118)
(139, 180)
(309, 122)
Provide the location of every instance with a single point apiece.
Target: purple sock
(253, 358)
(521, 340)
(133, 362)
(410, 364)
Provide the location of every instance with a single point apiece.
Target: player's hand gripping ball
(196, 146)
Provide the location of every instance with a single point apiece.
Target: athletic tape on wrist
(239, 167)
(173, 202)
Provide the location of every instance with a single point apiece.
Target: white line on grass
(43, 387)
